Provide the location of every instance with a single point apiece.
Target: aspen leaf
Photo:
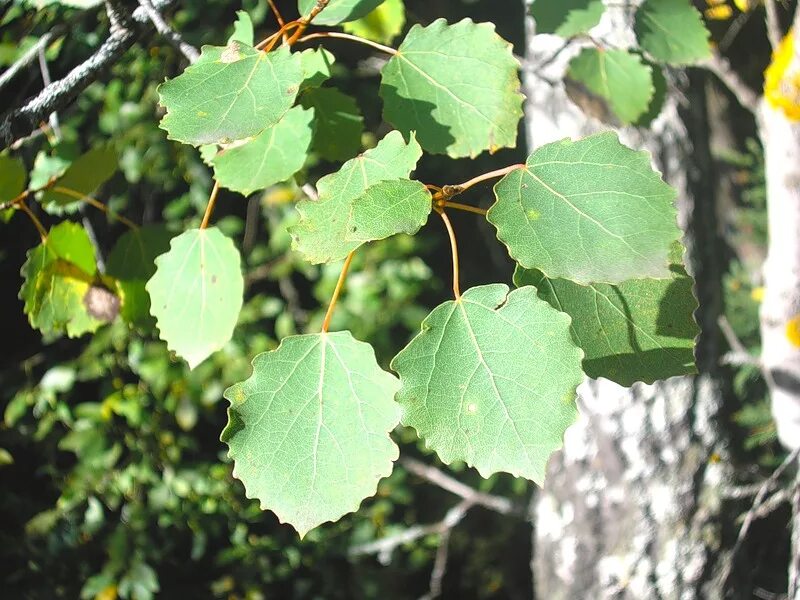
(309, 430)
(491, 381)
(196, 293)
(638, 330)
(338, 11)
(430, 86)
(321, 234)
(231, 93)
(591, 211)
(672, 31)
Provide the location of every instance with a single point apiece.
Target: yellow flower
(782, 80)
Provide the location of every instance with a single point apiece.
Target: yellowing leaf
(782, 80)
(793, 331)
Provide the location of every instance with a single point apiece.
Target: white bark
(630, 506)
(780, 356)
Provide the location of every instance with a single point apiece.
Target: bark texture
(630, 508)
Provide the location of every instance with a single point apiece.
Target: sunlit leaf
(338, 11)
(491, 381)
(321, 234)
(383, 24)
(274, 155)
(430, 86)
(231, 93)
(196, 293)
(592, 211)
(309, 430)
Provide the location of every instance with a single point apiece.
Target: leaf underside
(430, 86)
(196, 293)
(491, 381)
(591, 211)
(309, 430)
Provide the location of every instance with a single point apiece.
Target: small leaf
(639, 330)
(491, 381)
(338, 11)
(59, 275)
(233, 92)
(591, 211)
(388, 208)
(242, 29)
(317, 63)
(456, 86)
(382, 25)
(12, 178)
(321, 234)
(87, 173)
(274, 155)
(672, 31)
(339, 123)
(566, 18)
(616, 78)
(132, 262)
(309, 430)
(196, 293)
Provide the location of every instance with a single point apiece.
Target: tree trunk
(631, 505)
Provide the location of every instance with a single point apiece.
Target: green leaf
(316, 63)
(339, 123)
(491, 381)
(592, 211)
(196, 293)
(274, 155)
(382, 25)
(566, 17)
(87, 173)
(12, 178)
(388, 208)
(309, 430)
(338, 11)
(132, 262)
(616, 79)
(233, 92)
(321, 234)
(672, 31)
(456, 86)
(639, 330)
(242, 29)
(60, 284)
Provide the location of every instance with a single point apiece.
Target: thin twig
(750, 517)
(347, 36)
(773, 24)
(20, 122)
(168, 33)
(439, 567)
(97, 204)
(337, 291)
(501, 505)
(47, 80)
(31, 54)
(276, 12)
(720, 67)
(453, 190)
(35, 220)
(794, 560)
(383, 548)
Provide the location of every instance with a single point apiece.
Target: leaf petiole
(212, 200)
(96, 204)
(454, 248)
(337, 291)
(345, 36)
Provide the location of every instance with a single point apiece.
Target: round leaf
(309, 430)
(274, 155)
(639, 330)
(588, 211)
(491, 381)
(566, 17)
(231, 93)
(196, 293)
(672, 31)
(456, 86)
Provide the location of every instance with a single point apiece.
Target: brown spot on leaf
(101, 303)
